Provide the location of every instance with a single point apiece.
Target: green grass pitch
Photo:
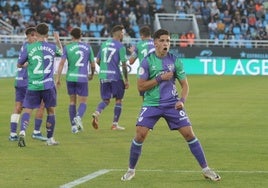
(228, 113)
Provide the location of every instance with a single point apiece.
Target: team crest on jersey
(171, 67)
(141, 71)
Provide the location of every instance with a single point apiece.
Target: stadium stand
(247, 19)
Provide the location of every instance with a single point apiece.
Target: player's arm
(144, 85)
(184, 93)
(125, 74)
(133, 55)
(23, 58)
(57, 38)
(60, 68)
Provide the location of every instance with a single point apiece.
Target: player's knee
(107, 102)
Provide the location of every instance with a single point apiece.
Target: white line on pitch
(104, 171)
(194, 171)
(85, 178)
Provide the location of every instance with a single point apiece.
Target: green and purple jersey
(143, 48)
(165, 93)
(40, 57)
(112, 53)
(78, 55)
(21, 78)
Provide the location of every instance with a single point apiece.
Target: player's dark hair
(159, 33)
(117, 28)
(42, 29)
(145, 31)
(30, 30)
(76, 33)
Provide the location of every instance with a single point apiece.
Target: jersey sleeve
(91, 58)
(143, 71)
(180, 73)
(123, 54)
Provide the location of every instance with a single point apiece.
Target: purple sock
(37, 124)
(50, 125)
(13, 127)
(102, 105)
(72, 113)
(81, 109)
(198, 152)
(117, 112)
(135, 152)
(24, 121)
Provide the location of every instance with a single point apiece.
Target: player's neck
(160, 54)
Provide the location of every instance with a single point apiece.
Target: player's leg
(49, 98)
(14, 120)
(135, 151)
(82, 92)
(15, 116)
(198, 152)
(118, 90)
(71, 89)
(25, 118)
(106, 93)
(146, 121)
(38, 122)
(31, 101)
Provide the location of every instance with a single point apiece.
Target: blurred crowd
(229, 19)
(94, 17)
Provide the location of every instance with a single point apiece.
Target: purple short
(20, 93)
(112, 89)
(33, 98)
(77, 88)
(175, 119)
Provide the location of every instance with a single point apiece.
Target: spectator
(145, 14)
(132, 18)
(105, 31)
(79, 8)
(205, 12)
(100, 17)
(227, 18)
(190, 38)
(220, 26)
(183, 40)
(212, 27)
(15, 7)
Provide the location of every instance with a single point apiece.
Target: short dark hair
(76, 33)
(117, 28)
(145, 31)
(159, 33)
(42, 29)
(30, 30)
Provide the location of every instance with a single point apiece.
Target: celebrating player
(157, 75)
(40, 58)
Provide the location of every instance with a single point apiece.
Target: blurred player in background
(142, 48)
(21, 82)
(40, 58)
(157, 78)
(112, 56)
(78, 55)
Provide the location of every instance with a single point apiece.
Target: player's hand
(58, 84)
(179, 105)
(167, 75)
(131, 49)
(25, 65)
(56, 35)
(90, 77)
(126, 85)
